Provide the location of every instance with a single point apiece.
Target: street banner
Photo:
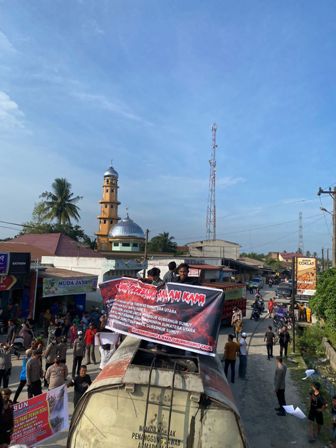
(177, 314)
(53, 286)
(305, 276)
(40, 417)
(4, 263)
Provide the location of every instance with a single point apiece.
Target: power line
(247, 230)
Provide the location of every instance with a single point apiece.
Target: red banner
(40, 417)
(179, 315)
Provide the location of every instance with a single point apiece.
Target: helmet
(80, 333)
(244, 335)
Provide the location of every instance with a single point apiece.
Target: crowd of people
(44, 359)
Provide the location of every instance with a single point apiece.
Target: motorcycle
(255, 313)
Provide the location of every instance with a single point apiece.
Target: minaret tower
(108, 208)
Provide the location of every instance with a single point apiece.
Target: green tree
(162, 243)
(60, 203)
(254, 255)
(324, 301)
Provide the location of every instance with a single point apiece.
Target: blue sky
(141, 82)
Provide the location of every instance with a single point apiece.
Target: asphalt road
(255, 397)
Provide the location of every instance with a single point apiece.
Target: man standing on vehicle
(280, 385)
(183, 275)
(269, 339)
(170, 276)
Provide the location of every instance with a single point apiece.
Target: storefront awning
(63, 282)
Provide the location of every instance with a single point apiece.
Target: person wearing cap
(34, 373)
(242, 356)
(317, 406)
(78, 354)
(56, 374)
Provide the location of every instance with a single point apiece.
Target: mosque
(116, 235)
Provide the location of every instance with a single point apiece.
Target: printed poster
(305, 276)
(41, 417)
(178, 315)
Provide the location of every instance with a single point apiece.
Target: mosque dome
(126, 227)
(111, 172)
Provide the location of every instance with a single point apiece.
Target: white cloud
(5, 44)
(116, 107)
(229, 181)
(10, 113)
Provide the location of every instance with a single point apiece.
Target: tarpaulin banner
(41, 417)
(179, 315)
(305, 276)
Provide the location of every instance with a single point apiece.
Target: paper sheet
(309, 373)
(297, 412)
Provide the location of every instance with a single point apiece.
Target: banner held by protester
(41, 417)
(180, 315)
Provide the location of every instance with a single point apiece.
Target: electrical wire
(325, 218)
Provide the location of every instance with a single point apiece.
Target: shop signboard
(179, 315)
(19, 263)
(4, 263)
(305, 276)
(7, 282)
(54, 286)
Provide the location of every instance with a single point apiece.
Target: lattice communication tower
(211, 209)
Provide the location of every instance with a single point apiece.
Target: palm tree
(162, 243)
(60, 203)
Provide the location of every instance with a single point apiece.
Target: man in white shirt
(242, 356)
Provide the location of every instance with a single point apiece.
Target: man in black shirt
(81, 383)
(269, 339)
(183, 277)
(317, 406)
(284, 339)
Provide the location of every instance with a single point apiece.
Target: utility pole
(211, 209)
(145, 254)
(322, 260)
(332, 193)
(327, 258)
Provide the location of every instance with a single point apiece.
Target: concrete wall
(216, 248)
(330, 352)
(88, 265)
